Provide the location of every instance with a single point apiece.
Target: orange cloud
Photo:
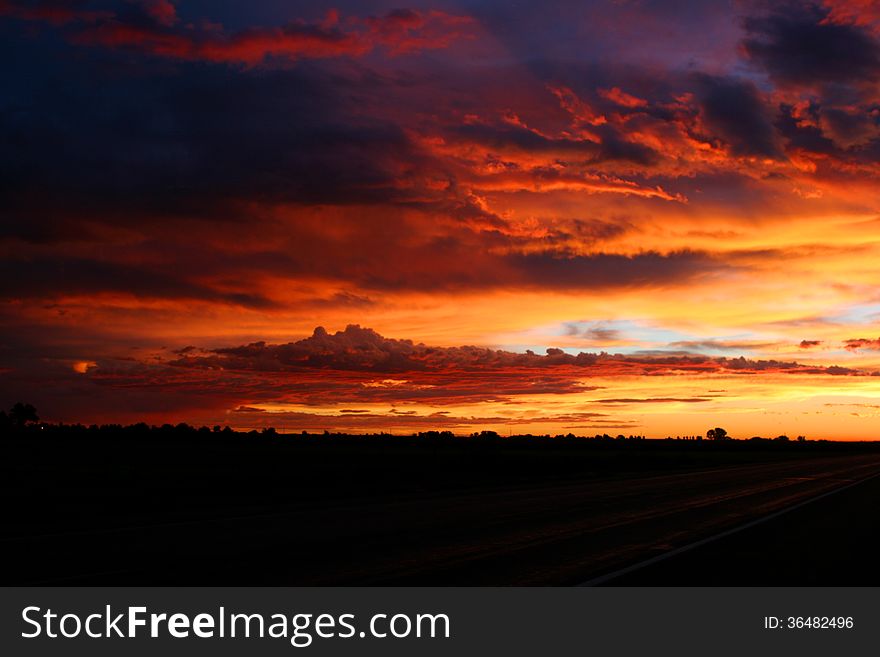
(617, 95)
(862, 343)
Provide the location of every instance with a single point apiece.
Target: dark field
(182, 507)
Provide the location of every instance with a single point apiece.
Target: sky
(621, 216)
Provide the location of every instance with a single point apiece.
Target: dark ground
(832, 541)
(171, 507)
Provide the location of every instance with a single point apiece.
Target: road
(557, 534)
(829, 541)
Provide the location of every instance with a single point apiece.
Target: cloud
(855, 12)
(363, 350)
(722, 345)
(152, 27)
(352, 370)
(169, 180)
(55, 12)
(596, 333)
(248, 416)
(162, 11)
(855, 344)
(655, 400)
(798, 44)
(800, 127)
(849, 127)
(809, 344)
(57, 277)
(358, 366)
(220, 174)
(604, 146)
(612, 270)
(733, 110)
(620, 97)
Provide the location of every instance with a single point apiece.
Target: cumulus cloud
(358, 349)
(351, 373)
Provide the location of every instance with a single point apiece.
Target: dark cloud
(809, 344)
(52, 277)
(743, 363)
(56, 12)
(450, 263)
(362, 349)
(836, 370)
(147, 145)
(359, 349)
(848, 127)
(611, 147)
(796, 43)
(734, 111)
(803, 135)
(341, 299)
(597, 333)
(611, 270)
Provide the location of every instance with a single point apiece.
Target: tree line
(24, 417)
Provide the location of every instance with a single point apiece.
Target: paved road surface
(831, 541)
(553, 535)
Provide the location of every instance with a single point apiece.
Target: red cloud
(862, 343)
(856, 12)
(617, 95)
(359, 366)
(405, 30)
(158, 33)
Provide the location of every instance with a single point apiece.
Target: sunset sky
(624, 216)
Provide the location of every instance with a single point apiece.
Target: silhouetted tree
(716, 434)
(20, 415)
(436, 435)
